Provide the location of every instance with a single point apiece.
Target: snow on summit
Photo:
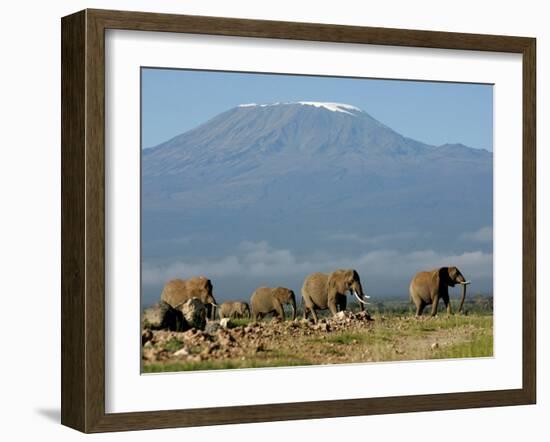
(333, 107)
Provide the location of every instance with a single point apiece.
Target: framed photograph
(267, 221)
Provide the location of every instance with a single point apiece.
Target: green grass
(239, 322)
(173, 345)
(224, 365)
(480, 346)
(333, 351)
(474, 304)
(346, 338)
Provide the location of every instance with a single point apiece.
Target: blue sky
(174, 101)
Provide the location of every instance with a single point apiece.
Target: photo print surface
(293, 220)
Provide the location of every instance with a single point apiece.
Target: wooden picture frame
(83, 220)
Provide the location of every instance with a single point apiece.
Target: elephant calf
(267, 300)
(234, 309)
(427, 288)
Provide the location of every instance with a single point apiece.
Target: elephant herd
(320, 291)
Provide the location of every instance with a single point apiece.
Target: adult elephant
(178, 291)
(267, 300)
(328, 290)
(427, 288)
(232, 309)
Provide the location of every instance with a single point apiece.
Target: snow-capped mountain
(334, 107)
(295, 173)
(233, 158)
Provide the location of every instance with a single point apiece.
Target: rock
(162, 355)
(194, 312)
(211, 348)
(364, 315)
(225, 338)
(251, 328)
(212, 327)
(340, 316)
(146, 336)
(224, 322)
(182, 352)
(239, 332)
(163, 316)
(322, 326)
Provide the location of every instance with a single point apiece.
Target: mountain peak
(333, 107)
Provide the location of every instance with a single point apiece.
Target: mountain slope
(256, 153)
(285, 184)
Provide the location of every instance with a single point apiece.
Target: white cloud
(485, 234)
(259, 259)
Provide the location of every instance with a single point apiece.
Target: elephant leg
(332, 306)
(314, 314)
(447, 303)
(343, 303)
(304, 307)
(420, 307)
(280, 311)
(435, 305)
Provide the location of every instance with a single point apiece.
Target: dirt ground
(349, 338)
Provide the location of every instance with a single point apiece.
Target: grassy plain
(394, 334)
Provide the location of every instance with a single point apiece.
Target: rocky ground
(348, 338)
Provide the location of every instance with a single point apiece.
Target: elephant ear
(206, 283)
(438, 277)
(336, 280)
(279, 293)
(442, 277)
(453, 273)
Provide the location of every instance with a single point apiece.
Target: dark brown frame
(83, 217)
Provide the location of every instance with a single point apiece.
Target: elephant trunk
(293, 305)
(214, 311)
(213, 307)
(463, 296)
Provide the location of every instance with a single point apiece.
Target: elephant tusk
(465, 282)
(359, 299)
(215, 305)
